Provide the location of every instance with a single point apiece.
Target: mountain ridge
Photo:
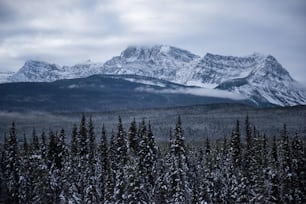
(258, 77)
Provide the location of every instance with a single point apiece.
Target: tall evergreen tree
(122, 158)
(104, 165)
(13, 167)
(236, 186)
(298, 170)
(133, 137)
(83, 157)
(83, 144)
(74, 142)
(179, 183)
(236, 147)
(286, 177)
(25, 182)
(92, 143)
(35, 140)
(121, 144)
(110, 180)
(161, 188)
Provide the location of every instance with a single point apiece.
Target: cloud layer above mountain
(71, 31)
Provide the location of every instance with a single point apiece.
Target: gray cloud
(68, 32)
(197, 92)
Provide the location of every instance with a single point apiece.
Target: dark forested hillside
(127, 165)
(103, 93)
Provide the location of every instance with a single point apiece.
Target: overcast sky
(67, 32)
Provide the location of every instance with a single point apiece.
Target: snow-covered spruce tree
(161, 189)
(43, 147)
(38, 171)
(113, 166)
(151, 157)
(32, 168)
(147, 160)
(83, 139)
(25, 183)
(286, 169)
(54, 165)
(219, 172)
(236, 147)
(298, 170)
(52, 149)
(121, 144)
(179, 189)
(257, 175)
(104, 169)
(64, 170)
(236, 188)
(13, 167)
(35, 140)
(4, 158)
(121, 158)
(225, 169)
(248, 158)
(208, 173)
(265, 167)
(91, 145)
(195, 183)
(135, 193)
(91, 189)
(133, 138)
(74, 147)
(252, 166)
(4, 167)
(274, 184)
(72, 171)
(83, 157)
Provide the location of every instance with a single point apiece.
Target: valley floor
(199, 122)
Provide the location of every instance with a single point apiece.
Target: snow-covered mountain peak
(156, 52)
(271, 69)
(34, 70)
(36, 65)
(160, 61)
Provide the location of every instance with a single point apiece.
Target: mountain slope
(269, 82)
(99, 92)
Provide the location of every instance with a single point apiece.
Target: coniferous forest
(89, 165)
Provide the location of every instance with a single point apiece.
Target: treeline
(127, 166)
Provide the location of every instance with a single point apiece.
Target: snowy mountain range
(260, 78)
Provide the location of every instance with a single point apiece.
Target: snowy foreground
(128, 166)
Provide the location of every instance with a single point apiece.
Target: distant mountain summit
(159, 61)
(261, 78)
(39, 71)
